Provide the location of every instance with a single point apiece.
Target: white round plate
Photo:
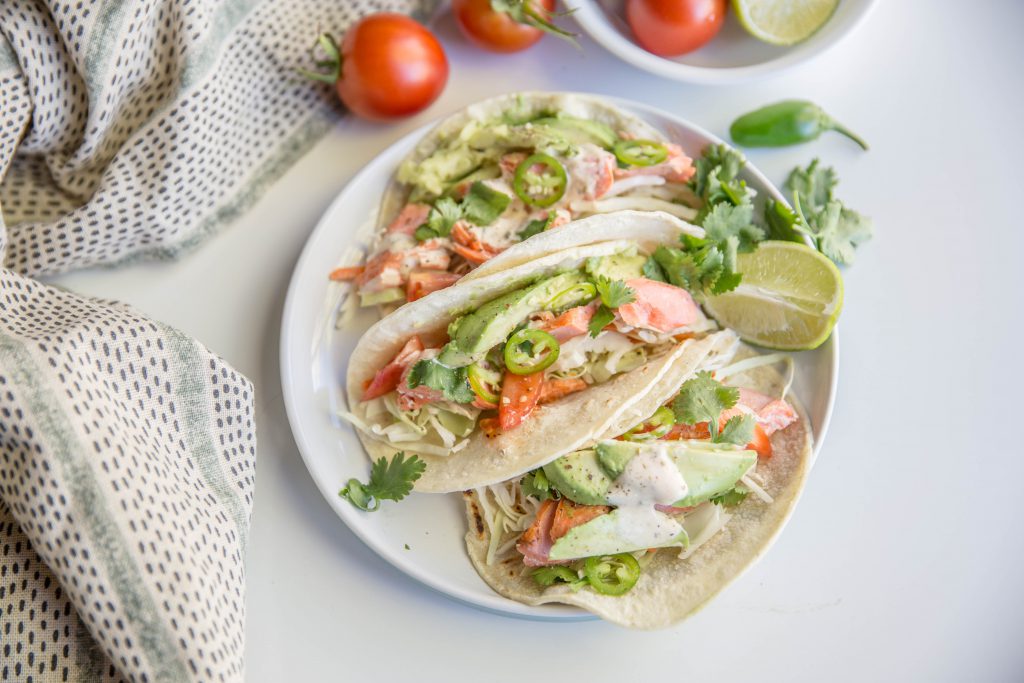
(314, 359)
(730, 57)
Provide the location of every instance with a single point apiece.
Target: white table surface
(903, 560)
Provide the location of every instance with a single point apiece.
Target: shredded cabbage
(701, 524)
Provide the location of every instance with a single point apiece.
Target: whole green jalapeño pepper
(786, 123)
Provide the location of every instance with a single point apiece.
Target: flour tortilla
(561, 426)
(670, 589)
(523, 105)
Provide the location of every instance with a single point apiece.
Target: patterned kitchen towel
(133, 129)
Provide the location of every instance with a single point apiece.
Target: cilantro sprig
(452, 382)
(707, 266)
(703, 399)
(536, 484)
(481, 206)
(389, 480)
(835, 230)
(612, 294)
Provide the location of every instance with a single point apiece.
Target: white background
(905, 558)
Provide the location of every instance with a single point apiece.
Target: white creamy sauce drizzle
(650, 478)
(573, 353)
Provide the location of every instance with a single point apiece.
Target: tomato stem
(329, 46)
(524, 12)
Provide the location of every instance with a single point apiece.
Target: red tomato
(519, 396)
(391, 66)
(674, 27)
(497, 31)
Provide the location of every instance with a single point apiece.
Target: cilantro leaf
(536, 226)
(652, 271)
(725, 221)
(732, 497)
(389, 480)
(815, 185)
(614, 293)
(702, 270)
(602, 317)
(536, 484)
(482, 205)
(443, 216)
(452, 382)
(719, 164)
(738, 430)
(836, 230)
(549, 576)
(782, 222)
(702, 399)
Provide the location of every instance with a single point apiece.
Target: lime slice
(783, 22)
(790, 297)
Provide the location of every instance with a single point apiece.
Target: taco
(502, 373)
(506, 169)
(645, 529)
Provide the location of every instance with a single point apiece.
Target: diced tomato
(572, 323)
(676, 168)
(387, 378)
(760, 443)
(554, 389)
(423, 282)
(519, 397)
(658, 306)
(346, 273)
(569, 515)
(681, 431)
(409, 218)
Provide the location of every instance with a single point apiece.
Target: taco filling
(529, 347)
(504, 179)
(593, 519)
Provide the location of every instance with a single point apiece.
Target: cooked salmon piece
(572, 323)
(535, 543)
(658, 306)
(387, 378)
(569, 515)
(408, 219)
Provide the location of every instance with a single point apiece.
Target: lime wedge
(783, 22)
(790, 297)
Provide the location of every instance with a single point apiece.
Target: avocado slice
(603, 536)
(476, 333)
(708, 469)
(617, 266)
(613, 456)
(579, 477)
(578, 131)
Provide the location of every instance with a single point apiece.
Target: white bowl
(730, 57)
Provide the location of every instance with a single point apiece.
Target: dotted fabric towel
(133, 129)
